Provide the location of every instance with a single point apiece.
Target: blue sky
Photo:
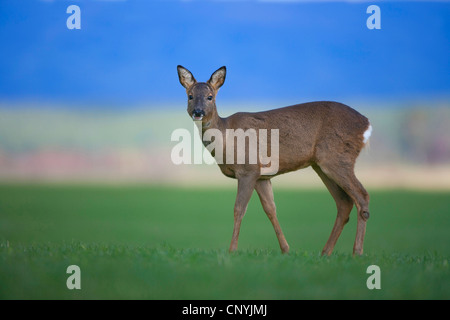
(126, 52)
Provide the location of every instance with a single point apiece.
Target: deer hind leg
(344, 206)
(265, 193)
(343, 175)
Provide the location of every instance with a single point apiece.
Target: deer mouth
(198, 114)
(197, 118)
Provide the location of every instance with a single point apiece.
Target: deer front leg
(265, 192)
(244, 193)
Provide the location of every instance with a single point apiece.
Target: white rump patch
(367, 134)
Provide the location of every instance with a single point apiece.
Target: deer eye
(210, 97)
(191, 97)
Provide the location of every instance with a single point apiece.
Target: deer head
(201, 95)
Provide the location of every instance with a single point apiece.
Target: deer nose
(198, 113)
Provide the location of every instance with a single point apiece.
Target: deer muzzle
(198, 114)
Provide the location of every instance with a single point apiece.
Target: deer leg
(345, 177)
(265, 193)
(344, 206)
(244, 193)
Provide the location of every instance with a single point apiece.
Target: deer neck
(214, 122)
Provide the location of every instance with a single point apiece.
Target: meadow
(163, 242)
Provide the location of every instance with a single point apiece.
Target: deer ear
(218, 78)
(187, 80)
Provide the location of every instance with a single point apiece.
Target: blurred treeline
(132, 144)
(417, 135)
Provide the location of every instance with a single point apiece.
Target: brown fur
(325, 135)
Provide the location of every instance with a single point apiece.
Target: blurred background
(99, 104)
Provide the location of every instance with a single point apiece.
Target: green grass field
(155, 242)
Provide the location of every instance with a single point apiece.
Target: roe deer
(328, 136)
